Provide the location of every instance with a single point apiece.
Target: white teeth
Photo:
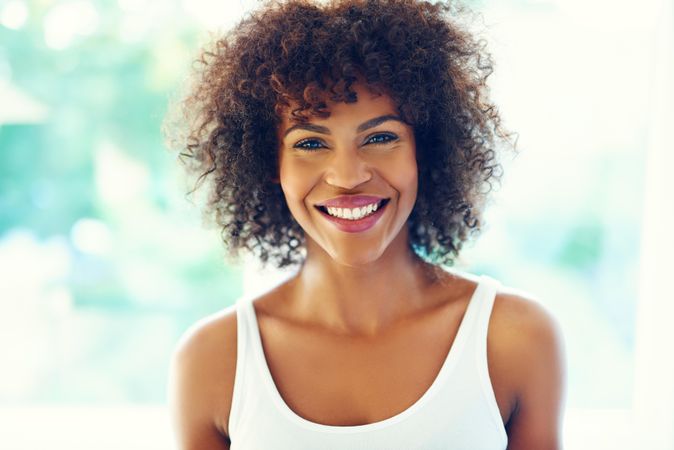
(353, 214)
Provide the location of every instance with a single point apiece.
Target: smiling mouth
(324, 209)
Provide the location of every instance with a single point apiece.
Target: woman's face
(365, 149)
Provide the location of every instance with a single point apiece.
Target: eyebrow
(362, 127)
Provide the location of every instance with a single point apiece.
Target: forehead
(370, 102)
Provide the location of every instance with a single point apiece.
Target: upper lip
(351, 201)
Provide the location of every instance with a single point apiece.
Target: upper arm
(200, 381)
(541, 378)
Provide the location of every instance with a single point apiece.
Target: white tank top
(457, 412)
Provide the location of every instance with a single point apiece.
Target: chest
(337, 380)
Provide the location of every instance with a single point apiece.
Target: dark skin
(363, 304)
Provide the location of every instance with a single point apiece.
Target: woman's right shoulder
(214, 333)
(203, 366)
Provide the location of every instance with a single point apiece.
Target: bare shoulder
(201, 381)
(531, 344)
(520, 316)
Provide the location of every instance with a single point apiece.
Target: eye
(381, 138)
(309, 144)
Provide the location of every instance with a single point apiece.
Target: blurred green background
(104, 262)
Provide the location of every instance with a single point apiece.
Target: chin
(356, 259)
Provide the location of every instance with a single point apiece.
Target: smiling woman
(355, 141)
(286, 62)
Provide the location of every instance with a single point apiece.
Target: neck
(363, 299)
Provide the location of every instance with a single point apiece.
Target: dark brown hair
(301, 52)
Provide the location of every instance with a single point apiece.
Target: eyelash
(391, 138)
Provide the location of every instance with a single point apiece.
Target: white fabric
(458, 411)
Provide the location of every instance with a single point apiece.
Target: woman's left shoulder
(522, 317)
(528, 344)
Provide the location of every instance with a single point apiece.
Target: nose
(347, 169)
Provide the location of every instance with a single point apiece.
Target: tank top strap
(243, 345)
(486, 306)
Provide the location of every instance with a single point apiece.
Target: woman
(355, 141)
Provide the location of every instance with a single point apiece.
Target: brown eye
(381, 138)
(309, 144)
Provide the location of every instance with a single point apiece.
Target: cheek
(296, 180)
(405, 176)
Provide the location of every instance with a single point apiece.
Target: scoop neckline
(448, 364)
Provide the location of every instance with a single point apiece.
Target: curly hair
(300, 53)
